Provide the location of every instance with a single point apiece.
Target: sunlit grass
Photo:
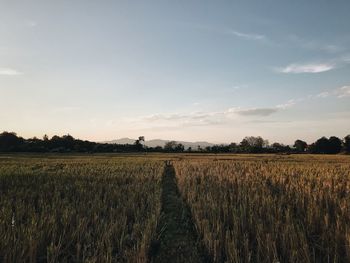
(81, 210)
(269, 211)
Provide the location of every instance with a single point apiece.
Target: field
(174, 208)
(78, 209)
(270, 211)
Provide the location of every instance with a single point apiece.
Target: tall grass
(258, 211)
(78, 210)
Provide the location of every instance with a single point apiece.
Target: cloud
(307, 68)
(346, 58)
(314, 45)
(9, 72)
(257, 111)
(233, 32)
(296, 68)
(343, 92)
(229, 115)
(324, 94)
(247, 36)
(288, 104)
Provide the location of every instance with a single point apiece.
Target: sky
(184, 70)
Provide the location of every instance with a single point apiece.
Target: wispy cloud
(9, 72)
(257, 111)
(229, 115)
(233, 32)
(314, 45)
(323, 94)
(288, 104)
(316, 67)
(346, 58)
(343, 92)
(306, 68)
(247, 36)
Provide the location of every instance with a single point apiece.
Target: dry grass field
(119, 208)
(288, 209)
(78, 209)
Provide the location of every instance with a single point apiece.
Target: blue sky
(183, 70)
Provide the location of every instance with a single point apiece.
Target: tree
(277, 147)
(141, 139)
(321, 146)
(138, 144)
(335, 145)
(68, 141)
(300, 145)
(253, 144)
(173, 146)
(9, 141)
(179, 147)
(170, 146)
(347, 143)
(232, 147)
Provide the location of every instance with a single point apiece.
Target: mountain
(159, 142)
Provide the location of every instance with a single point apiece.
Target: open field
(138, 208)
(78, 209)
(269, 211)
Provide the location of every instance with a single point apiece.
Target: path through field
(178, 240)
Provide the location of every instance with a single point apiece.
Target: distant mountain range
(159, 142)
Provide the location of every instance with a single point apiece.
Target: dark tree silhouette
(9, 141)
(300, 145)
(173, 146)
(138, 143)
(233, 147)
(334, 145)
(321, 146)
(277, 147)
(253, 144)
(347, 143)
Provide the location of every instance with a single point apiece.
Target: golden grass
(105, 208)
(292, 210)
(78, 209)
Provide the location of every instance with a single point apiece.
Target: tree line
(10, 142)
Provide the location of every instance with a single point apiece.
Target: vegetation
(196, 208)
(78, 209)
(10, 142)
(270, 210)
(173, 146)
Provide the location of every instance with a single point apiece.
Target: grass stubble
(88, 210)
(269, 211)
(226, 208)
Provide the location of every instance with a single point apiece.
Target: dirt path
(177, 238)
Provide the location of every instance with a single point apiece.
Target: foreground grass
(266, 211)
(78, 209)
(106, 208)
